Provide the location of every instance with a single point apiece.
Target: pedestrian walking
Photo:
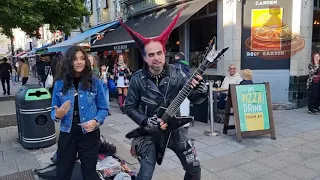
(24, 71)
(6, 72)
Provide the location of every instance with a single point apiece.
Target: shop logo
(271, 38)
(263, 3)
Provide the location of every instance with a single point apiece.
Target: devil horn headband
(141, 41)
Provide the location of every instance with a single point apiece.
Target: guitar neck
(184, 92)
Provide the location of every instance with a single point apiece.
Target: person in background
(104, 78)
(24, 71)
(14, 75)
(17, 69)
(41, 71)
(179, 61)
(246, 75)
(232, 78)
(5, 74)
(121, 74)
(94, 65)
(54, 63)
(313, 84)
(79, 103)
(183, 65)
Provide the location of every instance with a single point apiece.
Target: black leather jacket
(145, 98)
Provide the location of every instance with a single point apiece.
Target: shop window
(200, 38)
(203, 11)
(98, 10)
(212, 7)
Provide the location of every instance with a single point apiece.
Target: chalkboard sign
(252, 110)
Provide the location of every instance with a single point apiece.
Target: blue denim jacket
(92, 103)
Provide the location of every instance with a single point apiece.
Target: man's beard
(156, 70)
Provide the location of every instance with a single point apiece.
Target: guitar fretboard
(184, 92)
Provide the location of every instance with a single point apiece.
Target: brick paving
(295, 154)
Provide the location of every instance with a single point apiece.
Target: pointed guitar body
(163, 136)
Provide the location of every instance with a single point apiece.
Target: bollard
(211, 132)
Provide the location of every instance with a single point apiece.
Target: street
(293, 155)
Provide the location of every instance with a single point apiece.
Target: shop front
(153, 19)
(273, 39)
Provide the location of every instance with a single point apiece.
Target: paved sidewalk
(295, 155)
(15, 86)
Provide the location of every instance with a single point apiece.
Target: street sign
(252, 110)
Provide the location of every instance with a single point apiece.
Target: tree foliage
(30, 15)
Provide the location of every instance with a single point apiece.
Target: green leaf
(30, 15)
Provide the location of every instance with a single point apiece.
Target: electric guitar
(168, 115)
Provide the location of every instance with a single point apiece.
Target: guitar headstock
(212, 55)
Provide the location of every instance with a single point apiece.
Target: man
(155, 86)
(6, 72)
(232, 78)
(24, 71)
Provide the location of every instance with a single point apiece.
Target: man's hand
(90, 125)
(63, 110)
(163, 126)
(155, 123)
(199, 84)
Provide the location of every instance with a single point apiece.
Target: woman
(104, 78)
(78, 102)
(246, 76)
(313, 84)
(94, 64)
(121, 77)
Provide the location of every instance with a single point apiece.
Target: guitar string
(178, 100)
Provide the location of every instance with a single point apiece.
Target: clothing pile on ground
(109, 166)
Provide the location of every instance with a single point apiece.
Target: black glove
(153, 123)
(201, 87)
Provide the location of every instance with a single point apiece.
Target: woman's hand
(61, 111)
(90, 125)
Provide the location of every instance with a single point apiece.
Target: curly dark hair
(65, 71)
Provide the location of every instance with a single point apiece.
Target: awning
(44, 47)
(149, 25)
(23, 56)
(61, 47)
(21, 53)
(31, 53)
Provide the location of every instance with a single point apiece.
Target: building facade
(273, 38)
(101, 11)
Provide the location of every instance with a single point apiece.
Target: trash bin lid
(37, 94)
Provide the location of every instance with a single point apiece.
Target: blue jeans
(183, 148)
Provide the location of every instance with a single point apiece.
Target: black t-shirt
(5, 70)
(76, 118)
